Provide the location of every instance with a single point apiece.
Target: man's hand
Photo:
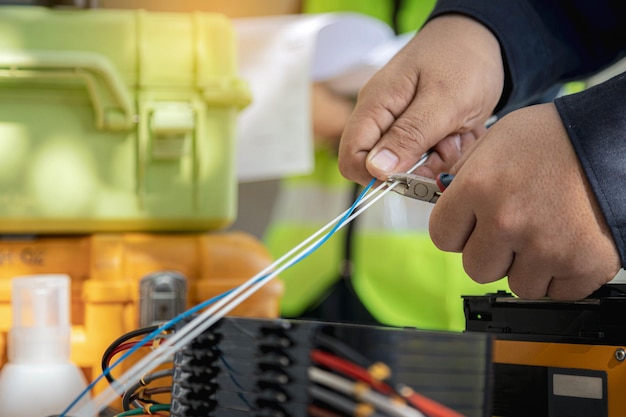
(520, 206)
(441, 87)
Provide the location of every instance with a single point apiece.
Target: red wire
(424, 404)
(126, 346)
(430, 407)
(348, 368)
(123, 347)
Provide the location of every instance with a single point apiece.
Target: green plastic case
(117, 120)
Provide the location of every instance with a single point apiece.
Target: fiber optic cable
(112, 350)
(151, 336)
(148, 411)
(425, 405)
(341, 403)
(226, 302)
(358, 391)
(349, 369)
(184, 336)
(127, 399)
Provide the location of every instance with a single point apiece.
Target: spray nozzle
(41, 328)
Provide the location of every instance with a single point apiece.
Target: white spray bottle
(39, 380)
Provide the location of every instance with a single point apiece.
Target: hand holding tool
(418, 187)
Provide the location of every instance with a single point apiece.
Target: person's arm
(552, 216)
(595, 122)
(330, 113)
(523, 203)
(536, 45)
(543, 42)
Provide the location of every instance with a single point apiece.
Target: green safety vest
(398, 274)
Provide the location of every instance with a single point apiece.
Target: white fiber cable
(200, 323)
(220, 308)
(348, 387)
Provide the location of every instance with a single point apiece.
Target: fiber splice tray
(114, 120)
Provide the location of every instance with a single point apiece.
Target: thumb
(420, 127)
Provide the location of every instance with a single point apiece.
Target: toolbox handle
(110, 99)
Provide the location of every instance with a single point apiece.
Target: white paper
(350, 80)
(280, 56)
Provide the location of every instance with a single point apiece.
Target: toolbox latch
(172, 125)
(163, 297)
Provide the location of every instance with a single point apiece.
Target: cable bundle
(350, 384)
(247, 367)
(138, 399)
(221, 305)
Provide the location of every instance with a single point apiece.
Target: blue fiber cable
(146, 339)
(338, 224)
(208, 302)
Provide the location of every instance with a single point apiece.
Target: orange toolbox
(120, 282)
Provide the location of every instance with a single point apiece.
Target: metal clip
(415, 186)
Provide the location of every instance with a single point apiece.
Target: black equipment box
(555, 359)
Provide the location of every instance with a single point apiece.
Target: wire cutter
(418, 187)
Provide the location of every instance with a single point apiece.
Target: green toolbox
(117, 120)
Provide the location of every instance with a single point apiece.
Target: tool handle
(444, 180)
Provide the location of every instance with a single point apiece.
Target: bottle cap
(40, 331)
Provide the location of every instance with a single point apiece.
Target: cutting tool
(418, 187)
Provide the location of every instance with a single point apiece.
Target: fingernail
(457, 143)
(385, 160)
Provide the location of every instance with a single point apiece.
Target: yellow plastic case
(117, 120)
(107, 269)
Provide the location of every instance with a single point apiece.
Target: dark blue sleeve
(595, 120)
(546, 42)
